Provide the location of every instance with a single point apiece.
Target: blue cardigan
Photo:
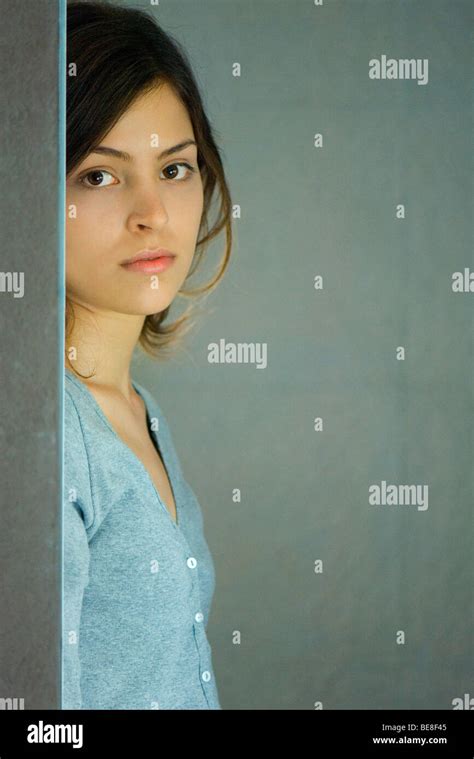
(137, 587)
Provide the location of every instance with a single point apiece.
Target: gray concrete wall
(30, 398)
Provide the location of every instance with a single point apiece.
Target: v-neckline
(132, 454)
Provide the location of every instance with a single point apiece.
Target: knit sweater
(137, 586)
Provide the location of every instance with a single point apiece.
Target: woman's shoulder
(79, 414)
(76, 400)
(77, 478)
(72, 416)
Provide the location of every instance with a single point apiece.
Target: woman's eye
(181, 178)
(97, 176)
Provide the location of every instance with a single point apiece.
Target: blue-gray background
(332, 637)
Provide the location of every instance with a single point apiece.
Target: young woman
(142, 171)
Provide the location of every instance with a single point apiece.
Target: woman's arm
(77, 514)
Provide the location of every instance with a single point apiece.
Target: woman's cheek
(185, 212)
(89, 221)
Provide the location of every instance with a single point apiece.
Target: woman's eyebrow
(103, 150)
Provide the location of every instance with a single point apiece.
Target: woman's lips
(150, 266)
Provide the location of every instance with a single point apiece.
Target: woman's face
(117, 207)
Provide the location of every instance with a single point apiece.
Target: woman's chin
(148, 306)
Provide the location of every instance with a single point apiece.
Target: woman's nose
(149, 209)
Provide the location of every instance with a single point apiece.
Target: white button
(206, 676)
(191, 562)
(199, 616)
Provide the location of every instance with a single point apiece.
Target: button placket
(202, 645)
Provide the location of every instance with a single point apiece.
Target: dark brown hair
(120, 53)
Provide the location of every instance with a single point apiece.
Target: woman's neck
(100, 348)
